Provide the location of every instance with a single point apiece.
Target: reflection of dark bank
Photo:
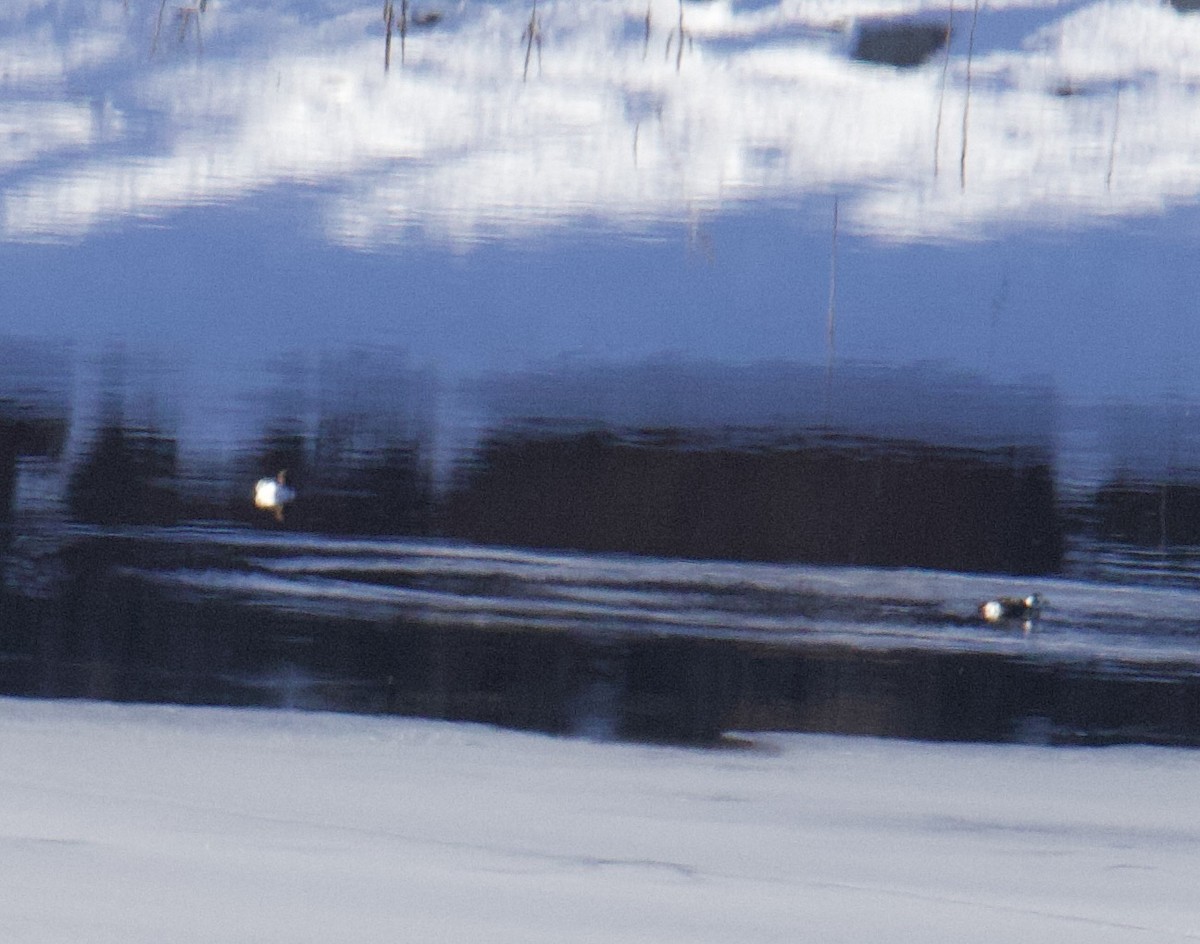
(24, 434)
(814, 498)
(126, 477)
(774, 461)
(1149, 497)
(33, 410)
(1148, 514)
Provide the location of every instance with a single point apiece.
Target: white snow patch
(152, 824)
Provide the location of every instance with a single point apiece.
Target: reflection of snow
(37, 58)
(765, 104)
(29, 130)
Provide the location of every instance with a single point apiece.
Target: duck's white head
(266, 494)
(271, 494)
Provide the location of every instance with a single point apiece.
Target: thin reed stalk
(679, 52)
(937, 130)
(403, 28)
(389, 18)
(1112, 144)
(678, 35)
(962, 160)
(158, 27)
(831, 311)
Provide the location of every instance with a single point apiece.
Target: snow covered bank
(148, 824)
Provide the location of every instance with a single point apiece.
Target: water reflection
(1069, 122)
(34, 411)
(721, 281)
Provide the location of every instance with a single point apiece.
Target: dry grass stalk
(532, 36)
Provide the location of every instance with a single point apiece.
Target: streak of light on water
(1138, 628)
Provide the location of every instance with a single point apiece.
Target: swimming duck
(1008, 609)
(271, 494)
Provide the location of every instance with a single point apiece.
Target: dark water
(641, 389)
(691, 580)
(604, 646)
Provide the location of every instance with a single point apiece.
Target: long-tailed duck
(1012, 609)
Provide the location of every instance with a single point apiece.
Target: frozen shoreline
(138, 823)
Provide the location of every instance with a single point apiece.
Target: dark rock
(899, 44)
